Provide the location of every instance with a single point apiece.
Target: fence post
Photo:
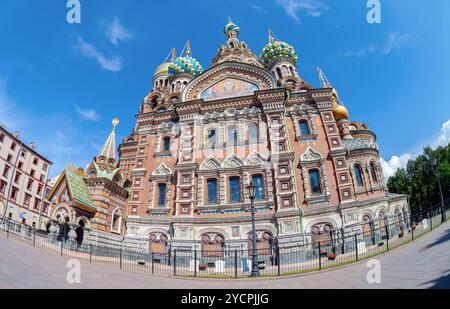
(356, 247)
(175, 262)
(235, 264)
(320, 257)
(7, 230)
(412, 227)
(153, 263)
(62, 244)
(278, 259)
(90, 253)
(121, 257)
(195, 262)
(34, 238)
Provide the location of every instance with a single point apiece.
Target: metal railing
(313, 255)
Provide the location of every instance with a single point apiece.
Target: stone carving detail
(311, 155)
(232, 114)
(210, 164)
(255, 159)
(162, 170)
(232, 161)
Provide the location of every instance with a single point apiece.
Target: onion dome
(185, 65)
(231, 28)
(340, 112)
(162, 69)
(277, 51)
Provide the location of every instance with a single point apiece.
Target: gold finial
(323, 79)
(174, 54)
(271, 38)
(188, 48)
(115, 123)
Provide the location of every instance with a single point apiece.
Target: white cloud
(117, 32)
(396, 162)
(88, 114)
(444, 138)
(113, 64)
(394, 42)
(311, 7)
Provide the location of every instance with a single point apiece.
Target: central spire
(109, 149)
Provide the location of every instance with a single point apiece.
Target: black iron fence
(314, 254)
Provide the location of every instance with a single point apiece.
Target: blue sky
(61, 84)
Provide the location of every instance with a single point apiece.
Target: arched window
(280, 74)
(358, 176)
(373, 173)
(258, 182)
(253, 134)
(232, 136)
(166, 144)
(116, 223)
(304, 128)
(235, 189)
(212, 191)
(314, 181)
(162, 192)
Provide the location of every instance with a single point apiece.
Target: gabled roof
(77, 187)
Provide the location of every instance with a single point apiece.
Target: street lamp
(255, 267)
(435, 166)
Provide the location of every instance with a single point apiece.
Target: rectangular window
(17, 178)
(6, 171)
(32, 173)
(9, 158)
(285, 186)
(44, 167)
(162, 190)
(275, 120)
(253, 134)
(2, 138)
(20, 166)
(46, 206)
(2, 187)
(259, 184)
(212, 191)
(13, 146)
(35, 161)
(30, 185)
(235, 190)
(232, 136)
(166, 146)
(14, 193)
(23, 154)
(304, 128)
(212, 137)
(27, 199)
(314, 180)
(287, 202)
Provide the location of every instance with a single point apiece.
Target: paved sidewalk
(423, 264)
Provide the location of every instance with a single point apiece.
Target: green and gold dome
(277, 51)
(230, 28)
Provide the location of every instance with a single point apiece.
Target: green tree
(419, 181)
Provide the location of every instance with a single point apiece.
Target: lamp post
(435, 166)
(255, 267)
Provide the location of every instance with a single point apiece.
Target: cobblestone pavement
(423, 264)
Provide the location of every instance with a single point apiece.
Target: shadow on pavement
(441, 282)
(444, 238)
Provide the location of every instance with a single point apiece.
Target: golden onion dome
(340, 112)
(162, 69)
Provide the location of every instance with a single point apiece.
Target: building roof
(353, 144)
(109, 148)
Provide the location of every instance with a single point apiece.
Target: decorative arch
(231, 70)
(255, 159)
(233, 161)
(162, 170)
(61, 213)
(310, 155)
(264, 242)
(210, 163)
